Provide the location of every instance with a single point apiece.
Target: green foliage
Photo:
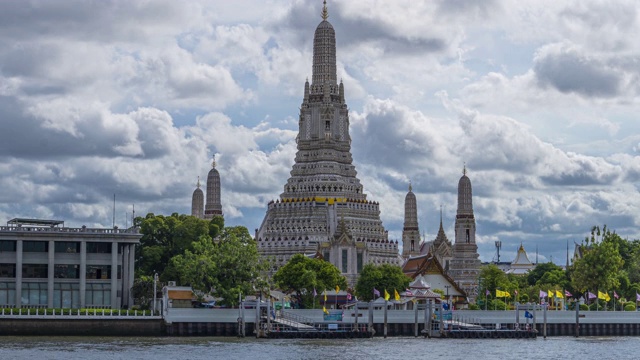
(215, 226)
(142, 291)
(164, 237)
(600, 264)
(546, 273)
(301, 275)
(474, 307)
(227, 268)
(381, 277)
(630, 307)
(584, 307)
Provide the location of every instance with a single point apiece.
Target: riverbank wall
(81, 327)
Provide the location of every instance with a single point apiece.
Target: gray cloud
(569, 71)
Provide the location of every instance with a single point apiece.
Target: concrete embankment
(81, 327)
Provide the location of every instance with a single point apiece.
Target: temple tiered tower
(465, 263)
(213, 205)
(410, 231)
(197, 202)
(323, 209)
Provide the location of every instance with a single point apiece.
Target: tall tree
(382, 277)
(600, 264)
(302, 275)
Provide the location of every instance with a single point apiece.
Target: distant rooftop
(34, 222)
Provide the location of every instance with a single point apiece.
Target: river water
(69, 348)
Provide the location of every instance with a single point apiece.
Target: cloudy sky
(538, 98)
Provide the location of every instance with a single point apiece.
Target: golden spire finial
(198, 184)
(325, 13)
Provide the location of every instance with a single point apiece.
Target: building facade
(410, 230)
(323, 200)
(44, 264)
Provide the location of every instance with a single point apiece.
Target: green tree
(302, 275)
(228, 268)
(537, 273)
(382, 277)
(164, 237)
(600, 265)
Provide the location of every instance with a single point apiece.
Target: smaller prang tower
(213, 206)
(410, 231)
(197, 202)
(465, 264)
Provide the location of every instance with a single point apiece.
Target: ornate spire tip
(198, 184)
(213, 163)
(325, 13)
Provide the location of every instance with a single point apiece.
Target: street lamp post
(155, 280)
(448, 302)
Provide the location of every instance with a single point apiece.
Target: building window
(98, 295)
(327, 125)
(7, 270)
(345, 260)
(66, 271)
(7, 294)
(468, 238)
(8, 245)
(98, 272)
(35, 271)
(67, 247)
(359, 260)
(35, 246)
(326, 256)
(34, 293)
(98, 248)
(66, 295)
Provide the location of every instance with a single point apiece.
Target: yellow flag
(498, 293)
(506, 294)
(386, 295)
(396, 295)
(337, 289)
(325, 295)
(607, 297)
(559, 294)
(324, 310)
(601, 296)
(551, 293)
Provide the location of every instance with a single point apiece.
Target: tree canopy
(381, 277)
(302, 275)
(600, 264)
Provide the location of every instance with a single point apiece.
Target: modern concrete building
(45, 264)
(323, 207)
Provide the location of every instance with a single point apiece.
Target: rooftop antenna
(498, 246)
(567, 266)
(133, 216)
(536, 254)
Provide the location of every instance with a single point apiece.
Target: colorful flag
(337, 289)
(542, 294)
(408, 292)
(314, 293)
(607, 297)
(615, 295)
(386, 295)
(528, 315)
(550, 293)
(567, 294)
(498, 293)
(559, 294)
(324, 310)
(487, 292)
(348, 297)
(591, 295)
(637, 297)
(325, 295)
(376, 292)
(396, 295)
(601, 295)
(515, 292)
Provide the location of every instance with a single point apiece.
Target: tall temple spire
(323, 193)
(213, 205)
(410, 231)
(197, 202)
